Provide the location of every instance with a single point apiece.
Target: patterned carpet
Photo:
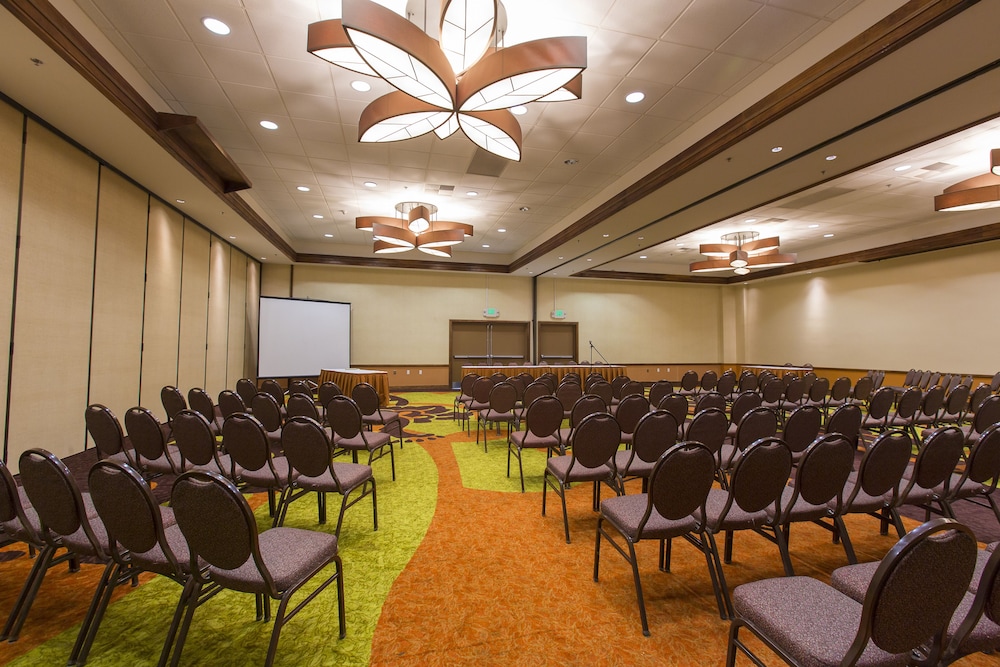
(463, 569)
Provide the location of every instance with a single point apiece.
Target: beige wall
(106, 293)
(935, 310)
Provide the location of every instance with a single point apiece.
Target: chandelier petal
(571, 91)
(495, 131)
(383, 248)
(446, 129)
(444, 251)
(467, 28)
(400, 52)
(367, 223)
(522, 73)
(397, 116)
(328, 40)
(397, 236)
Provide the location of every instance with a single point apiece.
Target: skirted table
(348, 378)
(607, 371)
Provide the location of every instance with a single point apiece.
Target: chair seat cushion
(632, 466)
(813, 622)
(167, 462)
(559, 465)
(984, 636)
(154, 560)
(625, 513)
(527, 439)
(801, 510)
(289, 554)
(369, 440)
(735, 519)
(350, 475)
(263, 477)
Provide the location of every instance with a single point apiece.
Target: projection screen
(299, 337)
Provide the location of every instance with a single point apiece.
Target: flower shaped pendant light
(740, 252)
(416, 227)
(462, 81)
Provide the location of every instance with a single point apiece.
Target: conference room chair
(542, 419)
(756, 424)
(689, 384)
(676, 404)
(906, 412)
(196, 442)
(603, 389)
(268, 412)
(326, 392)
(276, 391)
(710, 399)
(153, 455)
(349, 433)
(587, 404)
(499, 410)
(65, 522)
(772, 393)
(568, 393)
(879, 410)
(708, 381)
(709, 427)
(679, 483)
(726, 385)
(142, 536)
(312, 469)
(273, 564)
(930, 409)
(19, 523)
(756, 483)
(907, 606)
(302, 405)
(173, 401)
(572, 376)
(840, 393)
(201, 402)
(808, 380)
(987, 414)
(591, 459)
(974, 627)
(593, 377)
(846, 420)
(955, 405)
(863, 389)
(795, 394)
(300, 387)
(925, 482)
(653, 434)
(816, 493)
(743, 404)
(246, 388)
(532, 391)
(519, 386)
(628, 413)
(481, 389)
(818, 393)
(617, 384)
(230, 403)
(373, 412)
(549, 379)
(658, 390)
(748, 381)
(106, 431)
(978, 479)
(253, 465)
(801, 428)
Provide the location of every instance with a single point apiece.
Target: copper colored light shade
(328, 40)
(366, 223)
(995, 161)
(437, 251)
(476, 39)
(466, 229)
(395, 235)
(708, 265)
(571, 91)
(383, 248)
(761, 245)
(397, 116)
(981, 191)
(440, 238)
(772, 260)
(716, 249)
(505, 144)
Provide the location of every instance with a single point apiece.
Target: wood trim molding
(190, 130)
(383, 263)
(659, 277)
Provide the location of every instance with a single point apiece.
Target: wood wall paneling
(163, 296)
(11, 131)
(193, 342)
(218, 318)
(50, 371)
(116, 345)
(252, 318)
(235, 366)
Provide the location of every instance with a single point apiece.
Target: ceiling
(604, 187)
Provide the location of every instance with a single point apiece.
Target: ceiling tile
(707, 23)
(237, 66)
(648, 18)
(170, 55)
(668, 62)
(253, 98)
(301, 77)
(717, 73)
(683, 103)
(615, 53)
(151, 18)
(766, 33)
(609, 122)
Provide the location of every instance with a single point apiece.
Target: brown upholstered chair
(756, 424)
(654, 433)
(587, 404)
(268, 412)
(274, 564)
(172, 400)
(532, 391)
(106, 431)
(679, 483)
(801, 429)
(678, 405)
(689, 384)
(879, 410)
(196, 443)
(462, 399)
(541, 431)
(846, 420)
(252, 464)
(499, 410)
(628, 412)
(709, 427)
(568, 393)
(373, 412)
(925, 482)
(907, 606)
(658, 390)
(978, 480)
(231, 403)
(201, 402)
(349, 433)
(246, 388)
(741, 405)
(152, 453)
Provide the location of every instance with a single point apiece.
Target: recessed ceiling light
(329, 236)
(642, 238)
(303, 188)
(269, 125)
(750, 221)
(502, 230)
(215, 25)
(317, 216)
(371, 184)
(571, 161)
(361, 86)
(519, 110)
(560, 257)
(903, 167)
(777, 149)
(524, 209)
(263, 259)
(642, 256)
(181, 201)
(486, 245)
(813, 226)
(531, 273)
(827, 236)
(232, 238)
(605, 235)
(589, 259)
(471, 193)
(831, 157)
(635, 97)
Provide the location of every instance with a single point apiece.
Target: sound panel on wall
(299, 337)
(116, 347)
(218, 318)
(11, 129)
(163, 298)
(50, 373)
(193, 342)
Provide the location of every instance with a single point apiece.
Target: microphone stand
(594, 349)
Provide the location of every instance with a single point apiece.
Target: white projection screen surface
(300, 337)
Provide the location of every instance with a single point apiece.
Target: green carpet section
(487, 471)
(224, 630)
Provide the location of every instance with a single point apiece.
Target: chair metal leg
(728, 612)
(27, 596)
(665, 549)
(786, 559)
(98, 604)
(841, 529)
(638, 586)
(728, 554)
(175, 640)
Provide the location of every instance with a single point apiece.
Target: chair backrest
(265, 408)
(708, 380)
(57, 500)
(568, 393)
(987, 414)
(533, 391)
(503, 398)
(217, 523)
(299, 387)
(795, 390)
(759, 476)
(617, 383)
(802, 427)
(883, 464)
(246, 388)
(131, 516)
(230, 403)
(105, 429)
(689, 380)
(709, 427)
(595, 441)
(924, 380)
(977, 397)
(676, 404)
(654, 434)
(710, 399)
(808, 380)
(246, 442)
(366, 397)
(630, 410)
(329, 389)
(572, 376)
(747, 382)
(632, 388)
(344, 415)
(194, 438)
(12, 510)
(937, 458)
(789, 377)
(301, 404)
(201, 402)
(550, 380)
(145, 434)
(756, 424)
(934, 380)
(819, 390)
(911, 376)
(726, 384)
(593, 377)
(909, 403)
(307, 447)
(481, 390)
(880, 403)
(604, 390)
(544, 416)
(660, 389)
(680, 482)
(841, 389)
(172, 400)
(823, 471)
(957, 401)
(772, 391)
(995, 383)
(743, 404)
(932, 402)
(863, 388)
(916, 589)
(587, 404)
(274, 389)
(520, 385)
(846, 420)
(498, 377)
